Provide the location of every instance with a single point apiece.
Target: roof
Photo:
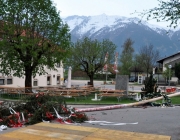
(161, 60)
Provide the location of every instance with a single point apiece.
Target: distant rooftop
(161, 60)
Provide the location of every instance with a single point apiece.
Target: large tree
(147, 57)
(165, 11)
(126, 58)
(89, 55)
(32, 36)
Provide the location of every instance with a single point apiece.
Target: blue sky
(108, 7)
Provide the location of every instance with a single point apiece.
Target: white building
(52, 78)
(170, 60)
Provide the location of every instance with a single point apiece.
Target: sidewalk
(58, 131)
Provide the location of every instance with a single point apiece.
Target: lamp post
(169, 66)
(116, 73)
(69, 78)
(106, 77)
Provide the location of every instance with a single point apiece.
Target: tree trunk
(125, 105)
(147, 72)
(28, 80)
(91, 77)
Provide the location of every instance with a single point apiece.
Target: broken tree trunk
(124, 105)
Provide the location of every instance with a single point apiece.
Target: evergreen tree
(126, 58)
(150, 87)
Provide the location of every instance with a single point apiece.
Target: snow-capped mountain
(118, 29)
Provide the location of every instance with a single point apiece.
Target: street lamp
(169, 66)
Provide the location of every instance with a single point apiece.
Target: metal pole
(69, 78)
(170, 66)
(106, 76)
(169, 76)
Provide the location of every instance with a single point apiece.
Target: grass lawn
(174, 100)
(80, 100)
(108, 100)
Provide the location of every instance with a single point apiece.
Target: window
(35, 83)
(9, 81)
(48, 80)
(2, 81)
(58, 79)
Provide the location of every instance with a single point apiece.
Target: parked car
(133, 79)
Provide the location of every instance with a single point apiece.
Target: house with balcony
(170, 62)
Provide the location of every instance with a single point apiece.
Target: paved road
(154, 120)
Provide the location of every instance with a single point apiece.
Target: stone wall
(122, 82)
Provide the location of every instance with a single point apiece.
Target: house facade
(52, 78)
(170, 60)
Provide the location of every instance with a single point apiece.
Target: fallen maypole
(124, 105)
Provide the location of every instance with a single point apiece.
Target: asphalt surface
(151, 120)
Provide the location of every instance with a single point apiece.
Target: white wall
(42, 80)
(169, 60)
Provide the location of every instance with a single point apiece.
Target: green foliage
(150, 87)
(88, 56)
(126, 57)
(167, 73)
(33, 36)
(165, 11)
(37, 108)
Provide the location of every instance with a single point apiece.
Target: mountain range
(118, 29)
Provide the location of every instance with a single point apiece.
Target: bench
(117, 95)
